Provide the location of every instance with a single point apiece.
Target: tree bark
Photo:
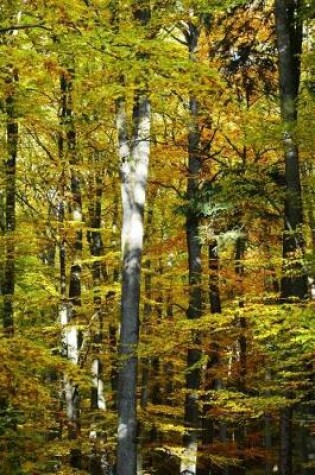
(72, 338)
(96, 248)
(209, 431)
(240, 433)
(193, 378)
(134, 157)
(294, 280)
(10, 190)
(286, 435)
(289, 42)
(99, 460)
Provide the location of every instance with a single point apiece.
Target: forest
(157, 237)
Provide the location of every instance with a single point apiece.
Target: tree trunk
(289, 42)
(72, 338)
(10, 171)
(286, 435)
(193, 378)
(72, 335)
(146, 363)
(113, 330)
(268, 439)
(294, 280)
(11, 150)
(214, 297)
(240, 433)
(209, 432)
(96, 248)
(134, 157)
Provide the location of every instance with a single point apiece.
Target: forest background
(157, 237)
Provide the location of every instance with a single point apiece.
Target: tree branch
(24, 27)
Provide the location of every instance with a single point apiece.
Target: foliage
(240, 197)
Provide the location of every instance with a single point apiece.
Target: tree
(192, 416)
(289, 41)
(12, 131)
(294, 281)
(134, 162)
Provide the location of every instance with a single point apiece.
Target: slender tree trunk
(13, 462)
(286, 435)
(75, 188)
(145, 376)
(311, 224)
(10, 190)
(112, 330)
(193, 378)
(242, 344)
(214, 296)
(294, 281)
(147, 362)
(209, 432)
(268, 439)
(72, 338)
(74, 335)
(134, 157)
(99, 463)
(96, 248)
(74, 294)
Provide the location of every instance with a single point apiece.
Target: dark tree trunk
(75, 186)
(193, 378)
(210, 433)
(96, 249)
(11, 151)
(10, 171)
(240, 433)
(286, 435)
(289, 41)
(143, 460)
(99, 461)
(112, 330)
(145, 376)
(268, 444)
(294, 281)
(214, 297)
(242, 341)
(72, 338)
